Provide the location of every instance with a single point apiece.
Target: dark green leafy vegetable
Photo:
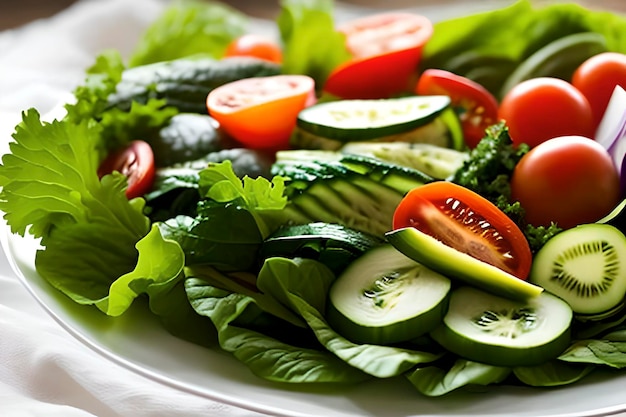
(488, 46)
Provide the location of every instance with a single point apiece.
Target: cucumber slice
(586, 266)
(385, 297)
(369, 119)
(433, 160)
(440, 257)
(498, 331)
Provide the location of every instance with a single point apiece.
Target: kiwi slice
(585, 266)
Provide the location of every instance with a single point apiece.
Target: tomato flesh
(255, 46)
(476, 106)
(136, 163)
(386, 49)
(544, 108)
(261, 112)
(467, 222)
(567, 181)
(597, 77)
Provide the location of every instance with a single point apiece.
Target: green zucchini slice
(349, 120)
(486, 328)
(385, 297)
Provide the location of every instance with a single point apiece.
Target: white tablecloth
(43, 370)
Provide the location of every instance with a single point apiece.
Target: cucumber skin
(409, 329)
(502, 355)
(457, 265)
(499, 355)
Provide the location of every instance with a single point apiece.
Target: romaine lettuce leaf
(189, 28)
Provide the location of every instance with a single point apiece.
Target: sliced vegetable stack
(372, 206)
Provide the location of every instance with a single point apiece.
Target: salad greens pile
(199, 267)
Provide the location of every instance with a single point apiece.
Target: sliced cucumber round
(585, 266)
(452, 263)
(350, 120)
(384, 298)
(486, 328)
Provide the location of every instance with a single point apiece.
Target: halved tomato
(467, 222)
(136, 162)
(386, 49)
(261, 112)
(476, 106)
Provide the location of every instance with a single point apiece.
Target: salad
(342, 211)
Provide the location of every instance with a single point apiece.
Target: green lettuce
(312, 46)
(234, 316)
(262, 198)
(93, 235)
(189, 28)
(489, 46)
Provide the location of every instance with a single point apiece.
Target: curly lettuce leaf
(50, 189)
(160, 262)
(189, 28)
(119, 126)
(261, 197)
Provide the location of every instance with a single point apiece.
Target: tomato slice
(476, 106)
(386, 49)
(467, 222)
(261, 112)
(256, 46)
(136, 162)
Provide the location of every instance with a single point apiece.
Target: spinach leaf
(266, 357)
(436, 381)
(302, 285)
(553, 373)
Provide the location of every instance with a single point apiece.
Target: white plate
(137, 342)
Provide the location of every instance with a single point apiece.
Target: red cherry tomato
(261, 112)
(597, 77)
(568, 180)
(136, 162)
(477, 107)
(544, 108)
(467, 222)
(386, 49)
(256, 46)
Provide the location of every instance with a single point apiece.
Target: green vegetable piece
(436, 255)
(189, 28)
(350, 120)
(385, 297)
(486, 328)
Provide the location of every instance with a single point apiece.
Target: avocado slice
(455, 264)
